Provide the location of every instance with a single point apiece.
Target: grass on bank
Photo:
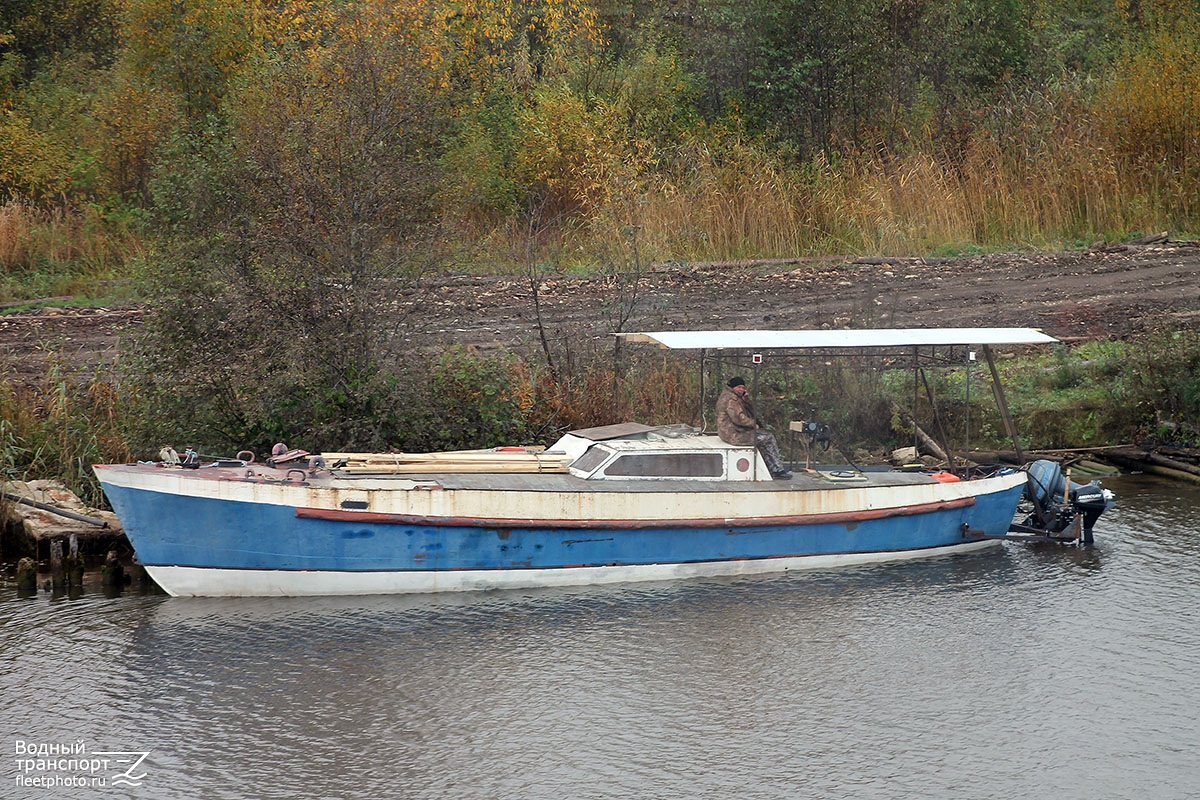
(1098, 393)
(67, 251)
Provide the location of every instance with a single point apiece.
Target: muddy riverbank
(1107, 292)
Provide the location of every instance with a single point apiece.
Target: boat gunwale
(839, 517)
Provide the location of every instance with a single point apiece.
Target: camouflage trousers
(765, 442)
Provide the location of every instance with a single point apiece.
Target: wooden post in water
(136, 574)
(27, 575)
(112, 574)
(74, 562)
(58, 574)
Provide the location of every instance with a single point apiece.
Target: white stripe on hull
(204, 582)
(523, 503)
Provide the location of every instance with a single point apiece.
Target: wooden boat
(620, 503)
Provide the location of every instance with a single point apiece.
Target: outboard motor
(1056, 504)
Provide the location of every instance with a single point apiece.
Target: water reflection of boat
(620, 503)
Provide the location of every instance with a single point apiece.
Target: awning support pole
(1002, 404)
(937, 419)
(916, 398)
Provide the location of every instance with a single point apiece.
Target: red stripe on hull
(846, 517)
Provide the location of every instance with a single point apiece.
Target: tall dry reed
(62, 249)
(1051, 169)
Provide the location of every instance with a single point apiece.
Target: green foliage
(305, 162)
(1162, 381)
(61, 426)
(1096, 393)
(190, 50)
(12, 455)
(31, 164)
(465, 401)
(481, 176)
(47, 136)
(810, 67)
(593, 135)
(953, 123)
(974, 45)
(294, 220)
(41, 30)
(1071, 36)
(66, 251)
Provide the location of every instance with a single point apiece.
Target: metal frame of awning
(904, 340)
(837, 339)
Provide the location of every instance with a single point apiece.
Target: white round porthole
(743, 464)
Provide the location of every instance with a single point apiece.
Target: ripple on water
(1022, 671)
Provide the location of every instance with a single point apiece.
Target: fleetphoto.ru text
(50, 765)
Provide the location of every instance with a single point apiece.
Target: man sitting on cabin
(738, 424)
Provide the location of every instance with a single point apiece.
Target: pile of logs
(1168, 462)
(1177, 463)
(496, 460)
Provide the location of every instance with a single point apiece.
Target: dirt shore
(1100, 293)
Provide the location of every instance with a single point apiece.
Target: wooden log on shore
(1149, 461)
(928, 443)
(1165, 472)
(1075, 456)
(54, 512)
(62, 512)
(1171, 463)
(1154, 238)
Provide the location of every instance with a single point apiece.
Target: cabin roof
(830, 339)
(662, 444)
(617, 431)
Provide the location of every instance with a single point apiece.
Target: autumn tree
(190, 49)
(296, 222)
(35, 32)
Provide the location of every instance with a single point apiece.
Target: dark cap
(736, 381)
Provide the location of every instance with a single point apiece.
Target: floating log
(1088, 467)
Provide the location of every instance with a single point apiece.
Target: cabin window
(667, 465)
(594, 457)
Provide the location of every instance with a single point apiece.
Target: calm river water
(1020, 672)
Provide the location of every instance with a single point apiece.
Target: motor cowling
(1057, 500)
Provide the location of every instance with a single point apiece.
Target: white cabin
(641, 452)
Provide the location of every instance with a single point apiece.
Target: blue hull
(175, 530)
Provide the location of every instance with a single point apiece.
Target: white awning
(821, 339)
